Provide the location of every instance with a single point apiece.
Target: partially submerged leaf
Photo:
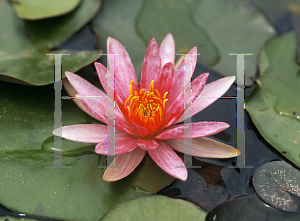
(157, 207)
(36, 9)
(274, 181)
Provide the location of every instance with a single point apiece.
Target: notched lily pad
(274, 181)
(157, 207)
(37, 9)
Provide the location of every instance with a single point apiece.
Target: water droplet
(275, 135)
(139, 189)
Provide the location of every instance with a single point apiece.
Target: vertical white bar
(57, 112)
(240, 106)
(188, 142)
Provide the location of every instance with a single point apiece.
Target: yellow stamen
(151, 86)
(146, 108)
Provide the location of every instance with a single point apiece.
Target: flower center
(146, 108)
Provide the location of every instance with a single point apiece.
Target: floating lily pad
(21, 62)
(158, 18)
(155, 208)
(117, 20)
(247, 208)
(76, 193)
(274, 181)
(48, 33)
(36, 9)
(236, 27)
(34, 68)
(273, 105)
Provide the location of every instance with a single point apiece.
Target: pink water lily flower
(146, 117)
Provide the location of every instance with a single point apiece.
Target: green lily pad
(158, 18)
(108, 24)
(249, 207)
(34, 68)
(236, 27)
(48, 33)
(20, 61)
(76, 193)
(36, 9)
(155, 208)
(274, 181)
(273, 104)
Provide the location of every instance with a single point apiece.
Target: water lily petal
(151, 66)
(183, 75)
(203, 147)
(72, 92)
(141, 131)
(120, 64)
(123, 145)
(104, 74)
(210, 94)
(117, 92)
(98, 110)
(176, 110)
(193, 130)
(147, 144)
(167, 50)
(88, 133)
(82, 86)
(127, 161)
(169, 161)
(167, 77)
